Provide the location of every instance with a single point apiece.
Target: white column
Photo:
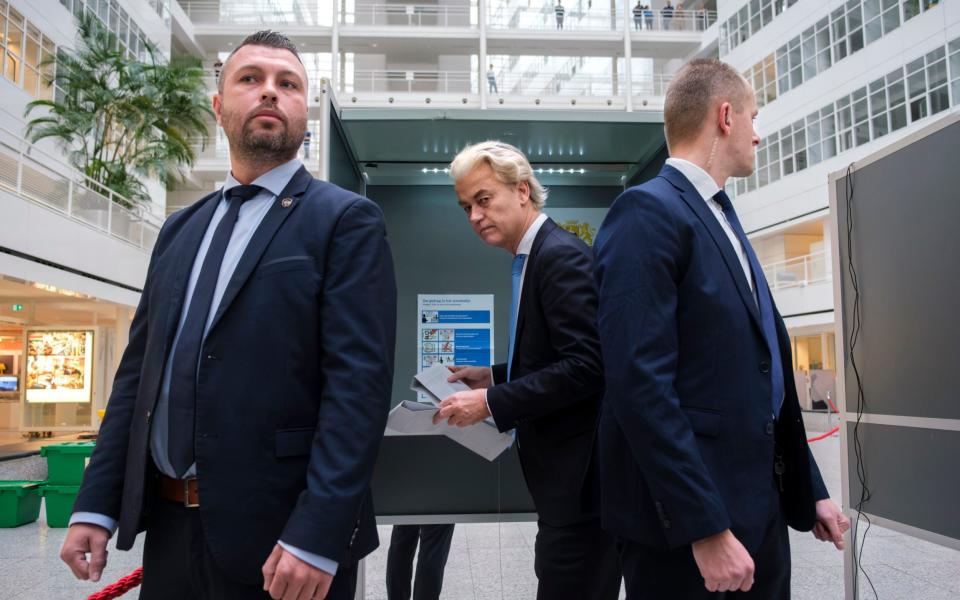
(335, 48)
(627, 54)
(481, 75)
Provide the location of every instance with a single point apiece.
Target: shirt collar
(273, 180)
(700, 179)
(526, 242)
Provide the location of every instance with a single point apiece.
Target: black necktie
(764, 303)
(182, 398)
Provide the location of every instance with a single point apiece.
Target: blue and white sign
(454, 329)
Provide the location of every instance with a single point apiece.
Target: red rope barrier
(121, 587)
(832, 431)
(824, 435)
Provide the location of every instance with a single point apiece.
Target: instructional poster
(454, 330)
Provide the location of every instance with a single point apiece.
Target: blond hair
(509, 166)
(695, 89)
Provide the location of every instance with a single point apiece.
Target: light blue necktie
(517, 270)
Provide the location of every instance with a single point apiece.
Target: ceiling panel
(547, 137)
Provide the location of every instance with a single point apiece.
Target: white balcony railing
(654, 84)
(43, 178)
(411, 15)
(217, 150)
(562, 84)
(545, 19)
(397, 81)
(677, 20)
(258, 12)
(798, 272)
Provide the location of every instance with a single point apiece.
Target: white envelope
(416, 418)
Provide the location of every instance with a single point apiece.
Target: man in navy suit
(549, 389)
(704, 460)
(247, 410)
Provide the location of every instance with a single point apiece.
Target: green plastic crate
(19, 502)
(66, 461)
(59, 500)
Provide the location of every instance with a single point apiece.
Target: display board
(895, 217)
(59, 366)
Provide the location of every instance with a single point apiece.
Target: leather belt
(181, 491)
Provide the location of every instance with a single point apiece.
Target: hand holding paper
(463, 408)
(475, 377)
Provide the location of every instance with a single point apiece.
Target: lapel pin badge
(286, 202)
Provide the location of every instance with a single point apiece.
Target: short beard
(273, 147)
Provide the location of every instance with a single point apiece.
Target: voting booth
(895, 247)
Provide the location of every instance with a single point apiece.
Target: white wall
(49, 235)
(806, 191)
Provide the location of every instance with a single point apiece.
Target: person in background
(666, 13)
(638, 16)
(434, 542)
(559, 11)
(492, 80)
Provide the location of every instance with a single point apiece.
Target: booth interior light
(559, 171)
(538, 171)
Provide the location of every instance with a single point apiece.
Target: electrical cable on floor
(861, 402)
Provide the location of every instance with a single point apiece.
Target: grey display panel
(912, 475)
(436, 252)
(904, 245)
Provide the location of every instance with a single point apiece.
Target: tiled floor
(496, 561)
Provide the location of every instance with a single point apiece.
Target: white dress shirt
(707, 188)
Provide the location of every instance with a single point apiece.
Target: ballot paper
(433, 383)
(417, 418)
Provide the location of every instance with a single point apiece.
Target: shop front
(58, 353)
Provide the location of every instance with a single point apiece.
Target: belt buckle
(186, 493)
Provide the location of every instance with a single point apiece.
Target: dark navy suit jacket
(553, 397)
(293, 384)
(687, 435)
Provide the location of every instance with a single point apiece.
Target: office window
(838, 24)
(896, 99)
(854, 26)
(3, 27)
(954, 50)
(937, 81)
(878, 108)
(13, 61)
(911, 8)
(828, 132)
(755, 22)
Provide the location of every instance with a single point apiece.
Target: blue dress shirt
(251, 214)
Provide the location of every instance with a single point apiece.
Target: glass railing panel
(91, 207)
(545, 18)
(411, 15)
(397, 81)
(258, 12)
(45, 185)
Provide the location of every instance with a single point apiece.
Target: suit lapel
(528, 284)
(285, 203)
(187, 245)
(699, 206)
